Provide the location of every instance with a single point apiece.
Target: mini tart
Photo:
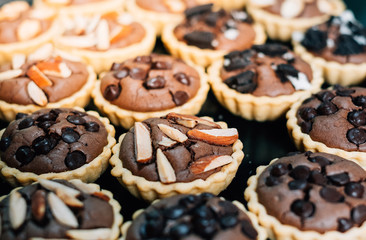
(59, 209)
(338, 47)
(207, 34)
(218, 211)
(177, 86)
(56, 143)
(46, 78)
(321, 197)
(103, 39)
(281, 18)
(252, 99)
(26, 29)
(161, 176)
(331, 121)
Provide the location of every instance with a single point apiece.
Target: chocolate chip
(326, 108)
(272, 181)
(356, 136)
(42, 145)
(24, 155)
(211, 19)
(322, 161)
(205, 227)
(152, 214)
(200, 39)
(278, 169)
(228, 221)
(358, 214)
(143, 59)
(20, 115)
(344, 92)
(307, 113)
(78, 113)
(161, 65)
(74, 119)
(357, 118)
(285, 70)
(300, 172)
(121, 73)
(359, 101)
(331, 195)
(4, 143)
(344, 224)
(180, 230)
(45, 125)
(203, 212)
(69, 135)
(354, 189)
(346, 45)
(155, 83)
(26, 123)
(112, 92)
(92, 127)
(182, 78)
(138, 73)
(75, 160)
(248, 229)
(317, 178)
(302, 208)
(180, 98)
(340, 179)
(190, 12)
(314, 40)
(272, 50)
(116, 66)
(243, 82)
(174, 212)
(151, 229)
(325, 96)
(306, 127)
(51, 116)
(235, 63)
(189, 201)
(297, 185)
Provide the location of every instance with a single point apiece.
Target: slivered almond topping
(175, 6)
(61, 212)
(215, 136)
(66, 55)
(10, 74)
(18, 60)
(36, 94)
(208, 163)
(85, 41)
(165, 169)
(101, 196)
(41, 53)
(100, 234)
(292, 8)
(173, 133)
(102, 33)
(54, 186)
(80, 24)
(42, 13)
(92, 25)
(69, 200)
(167, 142)
(28, 29)
(15, 7)
(143, 147)
(123, 32)
(262, 3)
(325, 6)
(57, 69)
(84, 187)
(180, 117)
(58, 2)
(17, 209)
(38, 77)
(38, 205)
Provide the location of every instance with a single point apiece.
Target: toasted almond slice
(175, 6)
(123, 32)
(84, 187)
(61, 212)
(165, 169)
(80, 24)
(28, 29)
(53, 186)
(41, 53)
(325, 6)
(42, 13)
(208, 163)
(167, 142)
(101, 196)
(69, 200)
(92, 25)
(15, 7)
(262, 3)
(58, 2)
(102, 33)
(292, 8)
(92, 234)
(143, 147)
(179, 118)
(85, 41)
(215, 136)
(57, 69)
(65, 55)
(38, 205)
(18, 60)
(173, 133)
(17, 210)
(10, 74)
(36, 94)
(38, 77)
(68, 23)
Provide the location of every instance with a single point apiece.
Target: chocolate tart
(59, 209)
(101, 39)
(309, 195)
(46, 78)
(61, 143)
(24, 29)
(331, 121)
(281, 18)
(176, 154)
(338, 47)
(203, 216)
(207, 34)
(150, 86)
(263, 82)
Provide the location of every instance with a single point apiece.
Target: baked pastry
(198, 217)
(207, 34)
(59, 209)
(331, 121)
(281, 18)
(55, 143)
(150, 86)
(176, 154)
(338, 47)
(45, 78)
(263, 82)
(101, 39)
(24, 29)
(309, 195)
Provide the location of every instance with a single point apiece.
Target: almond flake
(92, 234)
(42, 13)
(12, 10)
(18, 60)
(178, 118)
(28, 29)
(65, 55)
(122, 33)
(325, 6)
(292, 8)
(36, 94)
(61, 212)
(84, 187)
(38, 77)
(102, 33)
(38, 205)
(125, 19)
(101, 196)
(17, 209)
(175, 6)
(92, 25)
(80, 25)
(54, 186)
(262, 3)
(10, 74)
(173, 133)
(165, 169)
(41, 53)
(69, 200)
(85, 41)
(208, 163)
(215, 136)
(56, 69)
(143, 147)
(167, 142)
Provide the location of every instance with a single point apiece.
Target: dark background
(262, 141)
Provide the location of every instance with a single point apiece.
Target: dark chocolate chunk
(20, 115)
(357, 118)
(45, 125)
(206, 196)
(236, 63)
(354, 189)
(74, 119)
(346, 45)
(248, 229)
(307, 113)
(228, 221)
(211, 18)
(340, 179)
(121, 73)
(42, 145)
(359, 101)
(306, 127)
(358, 214)
(317, 178)
(356, 136)
(302, 208)
(112, 92)
(24, 155)
(327, 108)
(314, 40)
(75, 160)
(92, 127)
(203, 212)
(278, 170)
(344, 224)
(153, 214)
(161, 65)
(155, 83)
(143, 59)
(151, 228)
(325, 96)
(188, 201)
(297, 185)
(138, 73)
(180, 230)
(285, 70)
(272, 50)
(182, 78)
(180, 98)
(191, 12)
(344, 92)
(174, 212)
(300, 172)
(4, 143)
(51, 116)
(331, 194)
(205, 227)
(272, 181)
(26, 123)
(69, 135)
(322, 161)
(243, 82)
(200, 39)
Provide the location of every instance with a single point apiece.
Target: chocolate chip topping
(57, 140)
(314, 191)
(194, 216)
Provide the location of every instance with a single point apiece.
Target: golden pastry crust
(277, 230)
(127, 118)
(88, 172)
(232, 4)
(80, 98)
(256, 108)
(149, 190)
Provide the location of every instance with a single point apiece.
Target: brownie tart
(196, 217)
(331, 121)
(45, 78)
(261, 83)
(338, 47)
(59, 209)
(281, 18)
(206, 34)
(176, 154)
(59, 143)
(309, 195)
(150, 86)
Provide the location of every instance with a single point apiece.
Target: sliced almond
(175, 6)
(167, 142)
(54, 186)
(173, 133)
(38, 77)
(208, 163)
(92, 25)
(292, 8)
(65, 55)
(58, 2)
(61, 212)
(12, 10)
(262, 3)
(120, 33)
(143, 147)
(17, 209)
(80, 24)
(101, 196)
(42, 13)
(39, 205)
(85, 41)
(36, 94)
(102, 33)
(92, 234)
(41, 53)
(28, 29)
(18, 60)
(69, 200)
(165, 169)
(215, 136)
(10, 74)
(179, 118)
(325, 6)
(84, 187)
(125, 19)
(57, 69)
